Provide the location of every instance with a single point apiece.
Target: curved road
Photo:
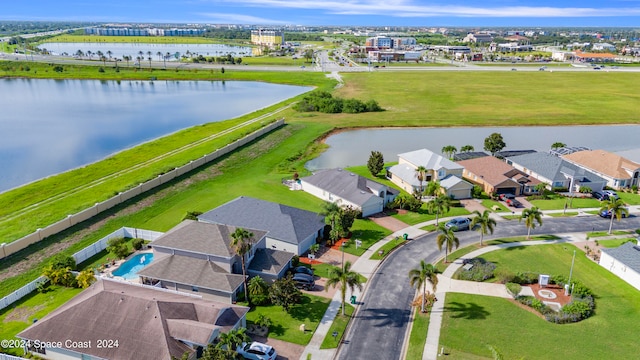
(381, 323)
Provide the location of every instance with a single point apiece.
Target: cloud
(407, 8)
(227, 18)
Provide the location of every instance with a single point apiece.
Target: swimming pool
(129, 269)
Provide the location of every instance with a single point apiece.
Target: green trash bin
(405, 236)
(353, 299)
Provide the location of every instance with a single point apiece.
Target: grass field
(417, 338)
(423, 215)
(471, 322)
(286, 324)
(71, 38)
(559, 202)
(338, 325)
(387, 248)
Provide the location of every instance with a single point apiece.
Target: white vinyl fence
(81, 256)
(10, 357)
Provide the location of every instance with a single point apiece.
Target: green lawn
(338, 325)
(368, 232)
(412, 218)
(489, 204)
(418, 337)
(387, 248)
(471, 322)
(594, 234)
(286, 325)
(559, 202)
(614, 243)
(322, 270)
(566, 214)
(23, 313)
(629, 198)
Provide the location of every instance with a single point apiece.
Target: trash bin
(353, 299)
(405, 236)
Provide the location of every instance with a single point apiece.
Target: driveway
(388, 222)
(285, 350)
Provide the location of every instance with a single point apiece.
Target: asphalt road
(380, 326)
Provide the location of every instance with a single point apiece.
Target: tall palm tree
(241, 244)
(126, 58)
(331, 213)
(616, 208)
(433, 188)
(345, 278)
(109, 53)
(420, 276)
(447, 237)
(421, 175)
(531, 216)
(159, 54)
(467, 148)
(233, 338)
(449, 151)
(440, 205)
(485, 222)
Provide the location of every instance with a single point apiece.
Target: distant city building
(267, 37)
(126, 31)
(477, 38)
(603, 47)
(386, 42)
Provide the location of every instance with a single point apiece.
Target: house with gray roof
(119, 320)
(288, 228)
(556, 172)
(197, 257)
(438, 168)
(348, 189)
(624, 262)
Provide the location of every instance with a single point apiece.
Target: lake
(350, 148)
(51, 126)
(133, 49)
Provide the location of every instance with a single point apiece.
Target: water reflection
(49, 126)
(351, 148)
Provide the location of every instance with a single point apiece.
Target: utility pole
(568, 285)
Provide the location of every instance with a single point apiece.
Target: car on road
(303, 270)
(542, 68)
(607, 214)
(304, 281)
(458, 224)
(256, 351)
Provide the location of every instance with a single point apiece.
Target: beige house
(496, 176)
(618, 171)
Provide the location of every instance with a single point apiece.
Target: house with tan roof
(497, 177)
(617, 170)
(119, 320)
(438, 168)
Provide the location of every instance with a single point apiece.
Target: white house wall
(620, 270)
(62, 354)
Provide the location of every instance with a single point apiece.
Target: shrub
(61, 261)
(85, 278)
(504, 276)
(524, 278)
(58, 68)
(295, 260)
(118, 247)
(481, 270)
(514, 289)
(137, 243)
(100, 69)
(192, 215)
(476, 192)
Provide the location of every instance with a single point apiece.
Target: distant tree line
(227, 59)
(298, 36)
(324, 102)
(216, 33)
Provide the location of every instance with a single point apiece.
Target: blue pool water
(129, 269)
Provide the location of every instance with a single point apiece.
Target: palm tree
(467, 148)
(233, 338)
(241, 244)
(449, 151)
(139, 60)
(345, 278)
(89, 54)
(331, 213)
(433, 188)
(109, 53)
(440, 205)
(420, 276)
(421, 175)
(448, 238)
(159, 54)
(149, 58)
(485, 222)
(558, 144)
(126, 58)
(616, 208)
(531, 216)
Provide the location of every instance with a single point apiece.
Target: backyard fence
(7, 249)
(81, 256)
(10, 357)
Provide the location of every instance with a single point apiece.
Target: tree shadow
(308, 309)
(470, 311)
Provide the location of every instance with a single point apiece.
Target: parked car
(598, 196)
(607, 214)
(304, 281)
(513, 203)
(458, 224)
(303, 270)
(611, 193)
(505, 197)
(256, 351)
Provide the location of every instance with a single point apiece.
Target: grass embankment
(471, 322)
(418, 336)
(339, 325)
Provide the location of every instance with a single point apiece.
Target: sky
(421, 13)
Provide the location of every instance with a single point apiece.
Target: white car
(257, 351)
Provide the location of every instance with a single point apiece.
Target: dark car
(513, 203)
(304, 281)
(597, 195)
(607, 214)
(303, 270)
(458, 224)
